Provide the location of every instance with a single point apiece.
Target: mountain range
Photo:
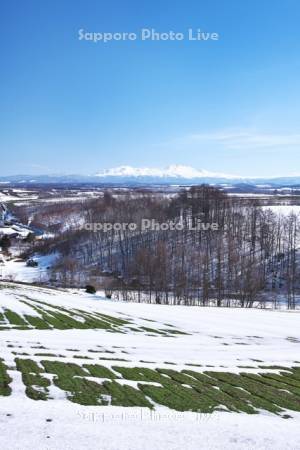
(174, 174)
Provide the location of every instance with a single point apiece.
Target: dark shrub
(5, 243)
(31, 263)
(90, 289)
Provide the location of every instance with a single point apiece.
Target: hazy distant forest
(250, 260)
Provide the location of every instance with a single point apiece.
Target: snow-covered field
(17, 270)
(284, 210)
(17, 194)
(142, 335)
(61, 425)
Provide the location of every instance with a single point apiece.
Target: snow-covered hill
(77, 370)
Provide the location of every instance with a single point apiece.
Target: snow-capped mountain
(172, 175)
(173, 171)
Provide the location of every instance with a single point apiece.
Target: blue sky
(71, 106)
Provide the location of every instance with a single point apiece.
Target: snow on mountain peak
(173, 171)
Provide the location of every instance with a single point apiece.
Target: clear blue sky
(71, 106)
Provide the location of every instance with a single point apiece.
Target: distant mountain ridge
(174, 174)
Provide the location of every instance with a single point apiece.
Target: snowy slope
(225, 339)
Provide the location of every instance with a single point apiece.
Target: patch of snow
(18, 271)
(284, 210)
